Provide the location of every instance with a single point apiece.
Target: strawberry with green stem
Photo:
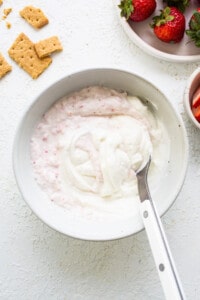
(180, 4)
(137, 10)
(194, 27)
(169, 26)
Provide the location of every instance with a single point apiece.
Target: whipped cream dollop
(87, 148)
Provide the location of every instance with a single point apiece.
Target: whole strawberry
(180, 4)
(194, 27)
(169, 26)
(137, 10)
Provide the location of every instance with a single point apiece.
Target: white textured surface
(39, 263)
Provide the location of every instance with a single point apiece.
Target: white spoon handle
(162, 255)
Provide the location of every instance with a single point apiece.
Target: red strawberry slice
(196, 113)
(196, 98)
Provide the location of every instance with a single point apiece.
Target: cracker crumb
(1, 2)
(6, 12)
(23, 53)
(4, 66)
(48, 46)
(8, 25)
(34, 16)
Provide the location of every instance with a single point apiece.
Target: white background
(35, 261)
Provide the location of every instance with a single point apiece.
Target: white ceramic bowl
(55, 216)
(192, 84)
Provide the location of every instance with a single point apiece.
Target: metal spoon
(158, 242)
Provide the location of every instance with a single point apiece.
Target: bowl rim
(56, 82)
(186, 100)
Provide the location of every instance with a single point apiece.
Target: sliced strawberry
(196, 113)
(196, 98)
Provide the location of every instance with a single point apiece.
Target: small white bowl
(192, 84)
(53, 215)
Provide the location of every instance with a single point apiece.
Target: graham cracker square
(23, 53)
(34, 16)
(4, 66)
(48, 46)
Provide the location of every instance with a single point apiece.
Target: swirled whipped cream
(87, 148)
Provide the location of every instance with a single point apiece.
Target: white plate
(142, 35)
